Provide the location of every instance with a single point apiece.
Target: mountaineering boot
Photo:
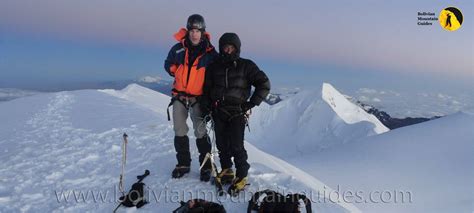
(204, 147)
(180, 171)
(226, 176)
(205, 175)
(237, 185)
(181, 145)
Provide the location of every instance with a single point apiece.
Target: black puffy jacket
(229, 81)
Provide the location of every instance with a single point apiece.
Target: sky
(298, 44)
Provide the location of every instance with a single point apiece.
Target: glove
(247, 106)
(207, 118)
(206, 113)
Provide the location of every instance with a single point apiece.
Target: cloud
(150, 79)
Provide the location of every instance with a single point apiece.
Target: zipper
(226, 80)
(189, 69)
(190, 65)
(226, 83)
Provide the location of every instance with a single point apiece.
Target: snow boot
(204, 147)
(237, 185)
(226, 176)
(181, 145)
(205, 175)
(180, 171)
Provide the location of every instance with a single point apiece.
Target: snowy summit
(61, 152)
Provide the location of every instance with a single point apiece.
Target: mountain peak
(347, 111)
(143, 96)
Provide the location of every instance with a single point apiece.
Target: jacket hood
(230, 38)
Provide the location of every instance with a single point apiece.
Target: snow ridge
(71, 141)
(348, 111)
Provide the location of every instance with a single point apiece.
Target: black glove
(207, 118)
(206, 113)
(247, 106)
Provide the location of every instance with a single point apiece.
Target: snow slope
(432, 161)
(310, 121)
(57, 142)
(57, 145)
(139, 95)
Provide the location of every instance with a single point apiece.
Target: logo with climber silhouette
(450, 18)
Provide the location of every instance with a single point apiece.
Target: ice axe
(136, 195)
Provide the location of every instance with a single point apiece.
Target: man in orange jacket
(186, 62)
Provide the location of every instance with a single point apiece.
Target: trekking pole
(122, 173)
(116, 208)
(124, 161)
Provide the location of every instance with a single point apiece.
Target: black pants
(230, 142)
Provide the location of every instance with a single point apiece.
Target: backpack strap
(199, 206)
(254, 203)
(306, 201)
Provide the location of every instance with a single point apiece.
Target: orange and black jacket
(187, 64)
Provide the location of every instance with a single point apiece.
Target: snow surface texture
(58, 142)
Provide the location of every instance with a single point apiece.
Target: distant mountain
(272, 99)
(155, 83)
(7, 94)
(151, 79)
(158, 84)
(279, 94)
(310, 120)
(384, 117)
(390, 122)
(429, 163)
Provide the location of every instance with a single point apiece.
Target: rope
(204, 123)
(210, 155)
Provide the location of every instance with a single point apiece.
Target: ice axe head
(141, 177)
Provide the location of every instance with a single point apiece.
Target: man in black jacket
(226, 94)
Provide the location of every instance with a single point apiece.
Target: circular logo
(450, 18)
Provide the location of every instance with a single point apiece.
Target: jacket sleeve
(214, 56)
(260, 81)
(205, 101)
(171, 62)
(206, 95)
